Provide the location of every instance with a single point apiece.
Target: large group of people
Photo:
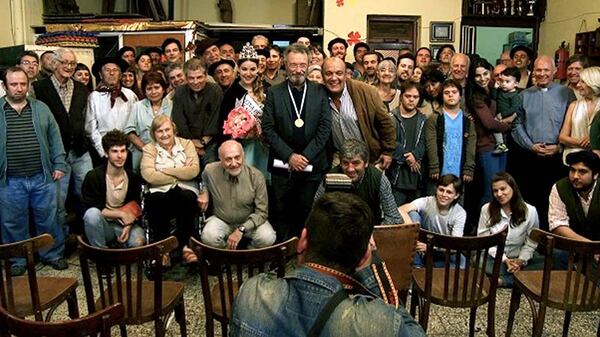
(246, 139)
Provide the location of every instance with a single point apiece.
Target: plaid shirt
(64, 90)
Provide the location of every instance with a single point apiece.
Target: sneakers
(500, 148)
(58, 264)
(17, 270)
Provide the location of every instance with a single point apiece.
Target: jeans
(16, 198)
(77, 168)
(439, 260)
(490, 165)
(103, 233)
(216, 232)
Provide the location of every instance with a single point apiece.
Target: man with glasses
(297, 124)
(109, 105)
(30, 62)
(67, 100)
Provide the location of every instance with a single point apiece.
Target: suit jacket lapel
(56, 96)
(289, 110)
(310, 119)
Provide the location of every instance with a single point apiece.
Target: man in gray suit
(297, 124)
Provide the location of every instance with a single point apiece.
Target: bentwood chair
(29, 294)
(233, 266)
(462, 282)
(576, 289)
(120, 279)
(396, 245)
(97, 323)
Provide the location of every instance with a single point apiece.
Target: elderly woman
(507, 208)
(144, 111)
(169, 166)
(575, 132)
(386, 75)
(314, 74)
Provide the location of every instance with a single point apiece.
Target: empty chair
(98, 322)
(31, 295)
(233, 266)
(120, 277)
(571, 290)
(462, 282)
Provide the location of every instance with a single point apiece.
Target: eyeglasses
(68, 64)
(26, 63)
(294, 66)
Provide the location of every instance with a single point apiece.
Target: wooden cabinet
(588, 43)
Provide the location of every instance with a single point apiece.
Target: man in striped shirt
(32, 159)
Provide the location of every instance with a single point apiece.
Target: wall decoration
(353, 38)
(339, 3)
(441, 32)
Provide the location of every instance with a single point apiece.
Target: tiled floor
(443, 321)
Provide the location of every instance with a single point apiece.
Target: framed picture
(441, 32)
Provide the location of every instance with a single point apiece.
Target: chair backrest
(26, 249)
(464, 277)
(396, 245)
(234, 265)
(581, 290)
(98, 322)
(120, 275)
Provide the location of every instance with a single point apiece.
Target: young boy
(440, 214)
(508, 101)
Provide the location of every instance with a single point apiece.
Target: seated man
(240, 203)
(111, 196)
(370, 184)
(439, 214)
(334, 244)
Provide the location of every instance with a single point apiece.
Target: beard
(297, 79)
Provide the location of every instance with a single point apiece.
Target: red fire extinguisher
(560, 59)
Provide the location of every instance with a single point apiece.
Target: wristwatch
(242, 229)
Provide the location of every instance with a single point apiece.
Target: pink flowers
(241, 124)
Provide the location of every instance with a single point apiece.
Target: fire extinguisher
(560, 59)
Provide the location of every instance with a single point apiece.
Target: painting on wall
(441, 31)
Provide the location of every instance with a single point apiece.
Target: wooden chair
(98, 322)
(454, 285)
(120, 278)
(31, 295)
(396, 245)
(572, 290)
(233, 266)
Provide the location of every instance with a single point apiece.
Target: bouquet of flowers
(242, 124)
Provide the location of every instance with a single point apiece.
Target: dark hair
(450, 179)
(585, 62)
(407, 85)
(170, 40)
(336, 40)
(275, 48)
(512, 71)
(115, 137)
(138, 57)
(371, 52)
(81, 66)
(409, 56)
(28, 53)
(445, 46)
(349, 66)
(517, 204)
(317, 47)
(152, 77)
(151, 50)
(13, 69)
(352, 148)
(360, 45)
(423, 48)
(136, 90)
(586, 157)
(123, 50)
(450, 82)
(474, 91)
(339, 228)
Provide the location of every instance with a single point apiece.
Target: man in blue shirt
(334, 244)
(536, 161)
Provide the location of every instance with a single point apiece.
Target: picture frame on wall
(441, 31)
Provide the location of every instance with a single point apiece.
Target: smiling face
(386, 74)
(334, 75)
(65, 66)
(173, 53)
(445, 196)
(353, 167)
(82, 76)
(405, 69)
(338, 50)
(262, 64)
(164, 135)
(316, 57)
(248, 72)
(196, 79)
(416, 76)
(502, 192)
(482, 77)
(315, 77)
(231, 155)
(573, 71)
(128, 79)
(520, 59)
(296, 65)
(543, 71)
(224, 75)
(459, 66)
(227, 51)
(274, 60)
(176, 77)
(211, 55)
(584, 89)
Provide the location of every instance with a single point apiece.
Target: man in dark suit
(67, 99)
(297, 124)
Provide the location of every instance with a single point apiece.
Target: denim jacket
(279, 307)
(48, 136)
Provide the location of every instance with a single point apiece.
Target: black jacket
(93, 191)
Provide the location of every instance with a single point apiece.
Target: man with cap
(359, 51)
(109, 105)
(337, 48)
(172, 50)
(127, 53)
(209, 51)
(521, 58)
(223, 72)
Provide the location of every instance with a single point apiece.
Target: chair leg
(539, 322)
(123, 329)
(210, 327)
(413, 301)
(72, 305)
(159, 327)
(491, 319)
(424, 307)
(180, 317)
(224, 326)
(515, 301)
(472, 315)
(566, 323)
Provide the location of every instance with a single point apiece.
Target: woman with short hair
(386, 75)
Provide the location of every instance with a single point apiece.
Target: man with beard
(337, 48)
(370, 62)
(273, 74)
(423, 57)
(406, 66)
(223, 71)
(297, 125)
(359, 51)
(358, 112)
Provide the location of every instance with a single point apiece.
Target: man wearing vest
(574, 209)
(370, 184)
(67, 100)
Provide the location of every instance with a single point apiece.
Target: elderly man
(535, 160)
(32, 159)
(357, 112)
(223, 71)
(196, 107)
(260, 42)
(67, 99)
(369, 183)
(297, 125)
(334, 244)
(109, 105)
(227, 51)
(208, 50)
(239, 199)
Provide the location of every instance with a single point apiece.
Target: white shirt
(452, 223)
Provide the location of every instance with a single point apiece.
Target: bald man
(240, 204)
(535, 160)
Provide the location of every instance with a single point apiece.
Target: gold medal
(299, 123)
